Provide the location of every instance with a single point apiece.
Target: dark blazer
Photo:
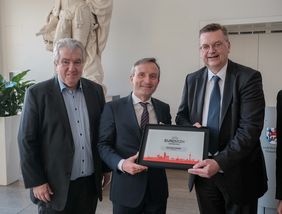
(241, 122)
(279, 147)
(120, 138)
(45, 139)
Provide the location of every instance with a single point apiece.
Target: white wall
(261, 52)
(21, 49)
(166, 29)
(1, 53)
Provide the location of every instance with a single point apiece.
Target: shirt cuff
(120, 165)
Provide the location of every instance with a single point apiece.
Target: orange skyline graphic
(168, 159)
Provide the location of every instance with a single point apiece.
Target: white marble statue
(85, 20)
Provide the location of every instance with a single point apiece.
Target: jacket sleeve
(246, 122)
(107, 135)
(182, 116)
(29, 143)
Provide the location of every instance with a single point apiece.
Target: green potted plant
(12, 94)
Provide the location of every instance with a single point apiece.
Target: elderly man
(58, 136)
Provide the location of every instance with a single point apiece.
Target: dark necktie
(144, 116)
(213, 116)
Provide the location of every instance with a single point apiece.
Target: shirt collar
(63, 86)
(221, 74)
(136, 100)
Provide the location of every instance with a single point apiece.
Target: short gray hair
(70, 44)
(214, 27)
(144, 61)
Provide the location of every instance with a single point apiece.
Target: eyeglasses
(215, 46)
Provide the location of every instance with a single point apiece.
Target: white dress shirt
(138, 111)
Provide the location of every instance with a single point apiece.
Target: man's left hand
(206, 168)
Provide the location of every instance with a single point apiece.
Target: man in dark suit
(58, 137)
(234, 176)
(135, 189)
(279, 153)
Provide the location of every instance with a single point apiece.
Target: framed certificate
(171, 146)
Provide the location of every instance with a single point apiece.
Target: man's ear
(229, 45)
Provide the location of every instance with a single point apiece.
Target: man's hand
(197, 125)
(131, 167)
(206, 168)
(106, 179)
(279, 207)
(43, 192)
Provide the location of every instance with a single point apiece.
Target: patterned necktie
(144, 116)
(213, 116)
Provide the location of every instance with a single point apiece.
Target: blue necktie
(144, 116)
(213, 116)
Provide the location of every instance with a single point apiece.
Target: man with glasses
(227, 98)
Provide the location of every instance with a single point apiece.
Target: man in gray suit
(227, 98)
(58, 137)
(135, 189)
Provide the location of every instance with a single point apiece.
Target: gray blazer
(45, 139)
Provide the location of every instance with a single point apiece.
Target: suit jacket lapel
(90, 105)
(132, 119)
(228, 91)
(157, 110)
(59, 105)
(198, 104)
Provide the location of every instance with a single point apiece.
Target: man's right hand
(131, 167)
(43, 192)
(197, 125)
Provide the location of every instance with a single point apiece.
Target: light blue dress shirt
(79, 122)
